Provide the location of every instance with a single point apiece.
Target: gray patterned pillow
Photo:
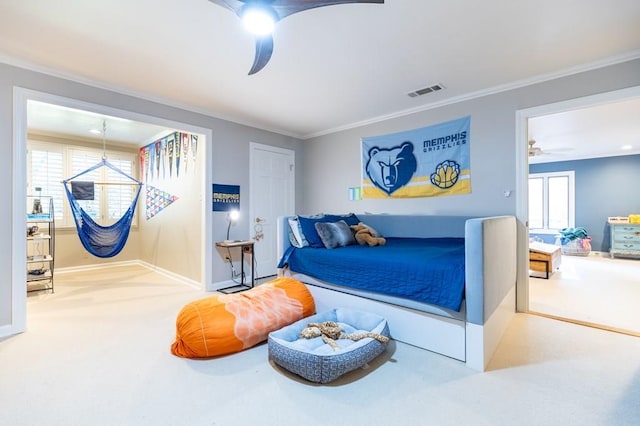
(335, 234)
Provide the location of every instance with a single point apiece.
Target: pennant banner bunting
(166, 157)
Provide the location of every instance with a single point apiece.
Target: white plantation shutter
(119, 196)
(45, 171)
(81, 161)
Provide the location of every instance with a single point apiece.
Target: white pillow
(298, 239)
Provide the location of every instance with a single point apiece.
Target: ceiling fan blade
(282, 8)
(289, 7)
(232, 5)
(264, 49)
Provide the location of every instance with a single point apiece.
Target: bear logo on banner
(391, 169)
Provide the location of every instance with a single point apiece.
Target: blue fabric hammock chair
(102, 241)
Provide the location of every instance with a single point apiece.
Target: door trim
(18, 276)
(253, 146)
(522, 173)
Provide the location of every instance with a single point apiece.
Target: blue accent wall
(604, 187)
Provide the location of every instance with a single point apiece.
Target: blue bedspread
(429, 270)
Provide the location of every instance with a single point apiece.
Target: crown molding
(613, 60)
(52, 72)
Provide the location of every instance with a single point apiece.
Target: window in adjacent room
(551, 201)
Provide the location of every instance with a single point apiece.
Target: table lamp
(232, 217)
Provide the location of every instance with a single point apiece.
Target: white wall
(172, 239)
(332, 163)
(228, 151)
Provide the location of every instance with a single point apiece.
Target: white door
(272, 194)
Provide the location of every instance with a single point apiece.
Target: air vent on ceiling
(425, 90)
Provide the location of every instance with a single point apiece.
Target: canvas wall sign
(426, 162)
(225, 197)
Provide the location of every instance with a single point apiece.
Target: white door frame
(522, 173)
(285, 151)
(18, 249)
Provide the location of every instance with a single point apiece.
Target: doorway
(21, 99)
(272, 195)
(523, 139)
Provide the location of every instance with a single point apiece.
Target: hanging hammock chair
(101, 241)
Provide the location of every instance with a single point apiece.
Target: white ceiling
(599, 131)
(59, 120)
(332, 68)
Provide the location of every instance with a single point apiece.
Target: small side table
(544, 258)
(246, 246)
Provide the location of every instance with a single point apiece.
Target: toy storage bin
(577, 247)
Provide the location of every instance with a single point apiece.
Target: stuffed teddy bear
(366, 235)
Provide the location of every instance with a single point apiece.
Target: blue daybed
(467, 329)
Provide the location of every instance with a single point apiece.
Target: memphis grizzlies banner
(425, 162)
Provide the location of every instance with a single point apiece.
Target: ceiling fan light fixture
(258, 19)
(260, 16)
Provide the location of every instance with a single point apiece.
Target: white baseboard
(220, 284)
(8, 330)
(142, 263)
(224, 284)
(70, 269)
(173, 275)
(483, 340)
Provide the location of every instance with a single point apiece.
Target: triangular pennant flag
(157, 200)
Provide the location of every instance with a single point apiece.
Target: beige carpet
(594, 289)
(97, 353)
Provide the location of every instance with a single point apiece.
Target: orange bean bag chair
(228, 323)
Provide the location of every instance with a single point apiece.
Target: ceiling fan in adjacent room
(260, 16)
(549, 153)
(534, 150)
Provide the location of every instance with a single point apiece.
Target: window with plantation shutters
(50, 163)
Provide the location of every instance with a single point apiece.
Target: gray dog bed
(316, 360)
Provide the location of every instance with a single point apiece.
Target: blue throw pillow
(350, 219)
(308, 228)
(335, 234)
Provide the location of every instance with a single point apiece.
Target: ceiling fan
(534, 150)
(260, 16)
